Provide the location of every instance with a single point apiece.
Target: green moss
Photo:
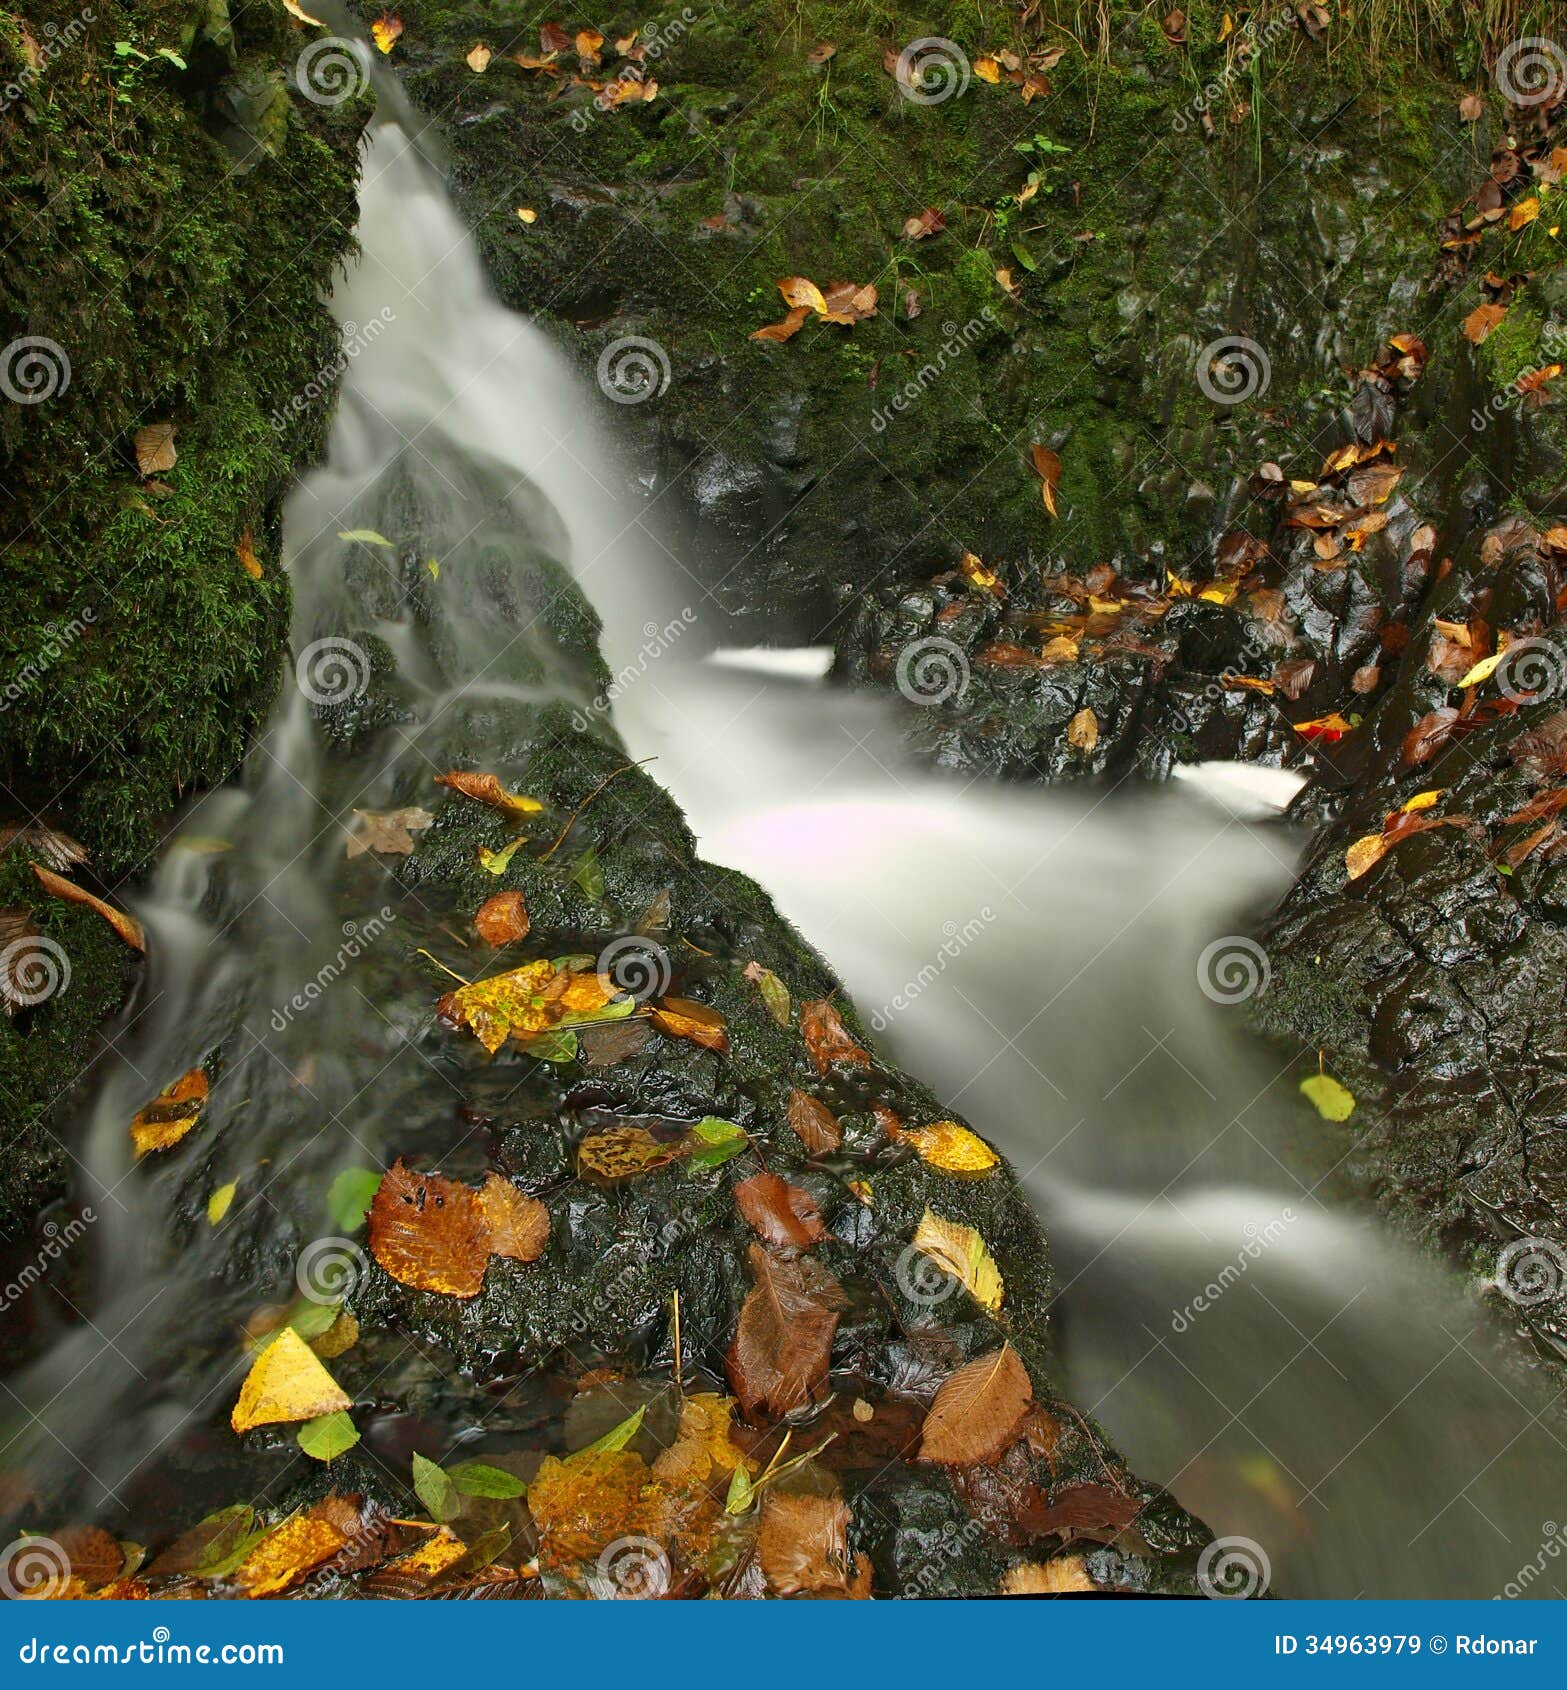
(1512, 348)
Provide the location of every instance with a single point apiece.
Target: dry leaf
(385, 30)
(1065, 1575)
(429, 1232)
(286, 1383)
(1365, 854)
(502, 920)
(285, 1555)
(682, 1018)
(1047, 466)
(154, 447)
(827, 1040)
(978, 1411)
(245, 551)
(479, 57)
(821, 52)
(620, 1153)
(1479, 323)
(519, 1225)
(487, 789)
(127, 926)
(1082, 732)
(391, 833)
(778, 1357)
(814, 1123)
(786, 329)
(960, 1251)
(171, 1114)
(778, 1212)
(802, 1543)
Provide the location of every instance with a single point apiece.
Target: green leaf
(308, 1318)
(775, 994)
(435, 1490)
(490, 1547)
(617, 1437)
(218, 1203)
(328, 1435)
(478, 1478)
(715, 1142)
(496, 862)
(367, 536)
(350, 1195)
(557, 1045)
(589, 876)
(617, 1009)
(173, 57)
(1332, 1101)
(232, 1540)
(1024, 256)
(739, 1496)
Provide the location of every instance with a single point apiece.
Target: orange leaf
(502, 920)
(171, 1114)
(682, 1018)
(429, 1232)
(127, 926)
(814, 1124)
(827, 1040)
(519, 1225)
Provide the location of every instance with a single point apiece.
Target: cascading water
(1296, 1375)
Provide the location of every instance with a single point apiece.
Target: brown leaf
(127, 926)
(391, 833)
(429, 1232)
(614, 1041)
(621, 1153)
(785, 330)
(57, 849)
(978, 1411)
(502, 920)
(1094, 1510)
(683, 1018)
(802, 1544)
(1471, 108)
(778, 1357)
(814, 1123)
(487, 789)
(778, 1212)
(1082, 732)
(821, 52)
(1479, 323)
(1429, 735)
(827, 1040)
(1065, 1575)
(1047, 466)
(519, 1225)
(154, 447)
(171, 1114)
(921, 227)
(245, 551)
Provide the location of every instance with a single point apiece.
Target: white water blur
(1033, 954)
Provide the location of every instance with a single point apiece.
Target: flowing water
(1053, 963)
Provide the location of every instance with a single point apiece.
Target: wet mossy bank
(171, 210)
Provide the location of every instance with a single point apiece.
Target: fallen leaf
(527, 214)
(1331, 1100)
(1524, 212)
(1065, 1575)
(429, 1232)
(786, 329)
(977, 575)
(978, 1411)
(801, 291)
(682, 1018)
(127, 926)
(487, 789)
(952, 1148)
(802, 1543)
(329, 1436)
(385, 31)
(245, 551)
(960, 1251)
(535, 998)
(1047, 466)
(778, 1357)
(287, 1553)
(1082, 732)
(286, 1382)
(519, 1225)
(827, 1040)
(821, 52)
(220, 1202)
(1481, 671)
(1365, 854)
(621, 1153)
(478, 58)
(171, 1114)
(703, 1445)
(295, 10)
(1479, 323)
(154, 446)
(502, 920)
(57, 849)
(987, 69)
(920, 228)
(779, 1213)
(390, 832)
(775, 994)
(1470, 108)
(497, 862)
(815, 1125)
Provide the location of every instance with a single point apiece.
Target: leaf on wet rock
(478, 58)
(778, 1357)
(385, 31)
(978, 1411)
(487, 789)
(959, 1250)
(154, 446)
(286, 1382)
(1082, 732)
(502, 920)
(587, 1501)
(339, 1338)
(1364, 854)
(328, 1436)
(350, 1195)
(605, 1045)
(429, 1232)
(127, 926)
(1332, 1101)
(775, 994)
(288, 1552)
(921, 227)
(713, 1141)
(390, 832)
(703, 1445)
(683, 1018)
(1047, 466)
(815, 1125)
(535, 998)
(1066, 1575)
(435, 1489)
(497, 862)
(827, 1040)
(803, 1546)
(778, 1212)
(952, 1148)
(211, 1545)
(519, 1225)
(171, 1114)
(220, 1202)
(620, 1153)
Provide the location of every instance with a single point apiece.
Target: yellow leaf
(976, 574)
(801, 290)
(1226, 30)
(171, 1114)
(986, 68)
(1423, 800)
(295, 10)
(287, 1382)
(960, 1251)
(219, 1202)
(479, 57)
(702, 1444)
(386, 30)
(1364, 854)
(1524, 212)
(1482, 671)
(1331, 1101)
(527, 214)
(525, 1001)
(302, 1542)
(953, 1149)
(1082, 732)
(1066, 1572)
(496, 861)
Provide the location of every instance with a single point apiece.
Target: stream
(1061, 967)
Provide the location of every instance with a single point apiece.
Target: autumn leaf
(1331, 1100)
(621, 1153)
(704, 1445)
(1047, 466)
(390, 832)
(952, 1148)
(288, 1552)
(960, 1251)
(478, 58)
(220, 1202)
(1365, 854)
(802, 1544)
(1066, 1575)
(487, 789)
(779, 1213)
(519, 1225)
(429, 1232)
(814, 1124)
(1479, 323)
(497, 862)
(827, 1040)
(778, 1357)
(154, 447)
(1082, 732)
(921, 227)
(977, 575)
(775, 994)
(530, 1000)
(127, 926)
(1524, 212)
(821, 52)
(502, 920)
(245, 551)
(171, 1114)
(801, 291)
(786, 329)
(1327, 729)
(385, 31)
(683, 1018)
(295, 10)
(1470, 108)
(286, 1382)
(978, 1411)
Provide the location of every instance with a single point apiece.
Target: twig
(571, 820)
